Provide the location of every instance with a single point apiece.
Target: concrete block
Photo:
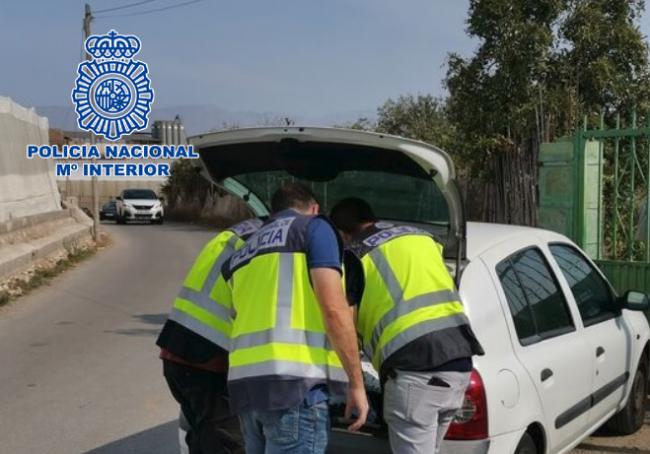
(41, 236)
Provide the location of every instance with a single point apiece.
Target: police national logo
(112, 93)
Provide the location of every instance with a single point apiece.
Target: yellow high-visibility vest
(408, 290)
(278, 329)
(198, 306)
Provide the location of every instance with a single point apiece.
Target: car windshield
(392, 196)
(139, 194)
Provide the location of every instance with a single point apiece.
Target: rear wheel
(630, 418)
(526, 445)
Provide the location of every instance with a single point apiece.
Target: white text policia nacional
(112, 152)
(72, 153)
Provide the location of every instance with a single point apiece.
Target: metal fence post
(632, 191)
(647, 198)
(599, 227)
(617, 142)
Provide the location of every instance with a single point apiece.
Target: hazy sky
(307, 57)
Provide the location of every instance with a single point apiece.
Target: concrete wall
(25, 240)
(27, 186)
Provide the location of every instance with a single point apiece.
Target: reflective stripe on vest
(198, 312)
(281, 349)
(289, 368)
(407, 319)
(281, 333)
(246, 228)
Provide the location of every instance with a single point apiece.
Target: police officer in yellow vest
(194, 343)
(293, 337)
(411, 323)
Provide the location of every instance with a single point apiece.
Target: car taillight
(471, 421)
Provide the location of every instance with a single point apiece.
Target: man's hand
(339, 324)
(357, 402)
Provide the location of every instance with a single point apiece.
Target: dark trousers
(203, 397)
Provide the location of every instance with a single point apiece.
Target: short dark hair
(292, 195)
(348, 214)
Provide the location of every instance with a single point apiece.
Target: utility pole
(88, 17)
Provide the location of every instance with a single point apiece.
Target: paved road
(78, 366)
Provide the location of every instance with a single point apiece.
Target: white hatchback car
(564, 353)
(139, 205)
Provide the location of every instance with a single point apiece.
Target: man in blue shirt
(285, 412)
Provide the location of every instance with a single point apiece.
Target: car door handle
(600, 351)
(546, 374)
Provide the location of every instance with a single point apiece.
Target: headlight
(128, 206)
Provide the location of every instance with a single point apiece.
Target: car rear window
(392, 196)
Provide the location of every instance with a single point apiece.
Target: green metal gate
(603, 190)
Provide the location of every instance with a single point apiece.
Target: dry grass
(44, 273)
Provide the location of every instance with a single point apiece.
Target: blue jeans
(302, 429)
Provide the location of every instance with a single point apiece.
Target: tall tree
(494, 104)
(420, 117)
(539, 67)
(601, 61)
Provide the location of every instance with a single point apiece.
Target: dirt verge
(42, 271)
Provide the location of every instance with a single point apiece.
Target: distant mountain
(198, 119)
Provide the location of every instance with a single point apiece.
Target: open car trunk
(403, 180)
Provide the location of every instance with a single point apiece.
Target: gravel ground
(603, 443)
